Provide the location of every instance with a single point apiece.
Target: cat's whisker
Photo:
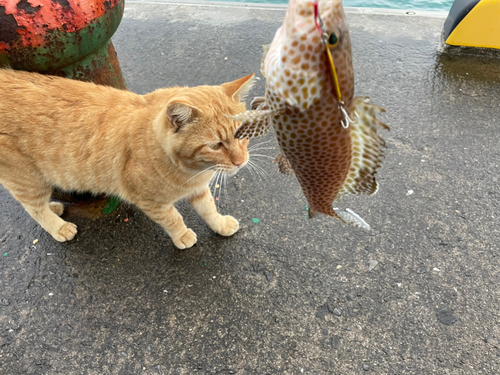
(250, 168)
(259, 144)
(223, 174)
(215, 182)
(261, 148)
(212, 179)
(259, 171)
(226, 177)
(264, 156)
(262, 171)
(197, 174)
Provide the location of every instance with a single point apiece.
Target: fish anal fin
(367, 149)
(284, 165)
(254, 123)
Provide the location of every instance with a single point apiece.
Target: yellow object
(480, 28)
(334, 74)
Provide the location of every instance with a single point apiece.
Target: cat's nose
(238, 165)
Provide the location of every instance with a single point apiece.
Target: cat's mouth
(231, 172)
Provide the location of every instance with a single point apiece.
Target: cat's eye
(216, 146)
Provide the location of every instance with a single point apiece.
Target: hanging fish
(328, 138)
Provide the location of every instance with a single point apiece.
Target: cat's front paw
(227, 226)
(187, 240)
(66, 233)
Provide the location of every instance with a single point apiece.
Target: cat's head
(198, 133)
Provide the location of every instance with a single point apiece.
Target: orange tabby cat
(151, 150)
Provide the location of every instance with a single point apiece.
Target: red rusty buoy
(68, 38)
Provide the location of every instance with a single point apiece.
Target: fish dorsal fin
(255, 123)
(265, 49)
(367, 149)
(284, 165)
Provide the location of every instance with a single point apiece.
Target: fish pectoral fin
(254, 123)
(259, 103)
(350, 217)
(265, 49)
(367, 149)
(284, 165)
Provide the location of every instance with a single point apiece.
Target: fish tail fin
(367, 149)
(311, 213)
(255, 123)
(350, 217)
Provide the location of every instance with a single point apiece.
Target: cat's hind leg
(57, 208)
(204, 204)
(22, 179)
(35, 200)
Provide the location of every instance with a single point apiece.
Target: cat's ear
(180, 114)
(237, 90)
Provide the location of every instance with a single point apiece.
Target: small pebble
(35, 241)
(410, 192)
(445, 316)
(269, 275)
(350, 297)
(125, 220)
(372, 263)
(335, 342)
(366, 367)
(337, 312)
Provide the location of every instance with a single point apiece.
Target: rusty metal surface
(36, 20)
(49, 36)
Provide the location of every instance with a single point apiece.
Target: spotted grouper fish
(328, 137)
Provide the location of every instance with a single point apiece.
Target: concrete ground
(419, 294)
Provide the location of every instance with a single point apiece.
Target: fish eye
(216, 146)
(333, 40)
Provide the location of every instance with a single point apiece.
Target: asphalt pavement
(418, 294)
